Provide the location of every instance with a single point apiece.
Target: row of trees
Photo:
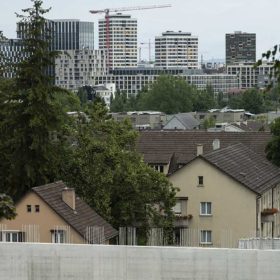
(167, 94)
(172, 95)
(41, 143)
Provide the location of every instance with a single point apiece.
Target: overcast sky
(208, 19)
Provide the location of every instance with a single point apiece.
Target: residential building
(53, 213)
(182, 121)
(121, 40)
(66, 34)
(169, 150)
(77, 68)
(220, 191)
(240, 47)
(106, 92)
(141, 120)
(225, 115)
(176, 50)
(250, 76)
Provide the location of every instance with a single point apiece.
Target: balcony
(182, 221)
(267, 215)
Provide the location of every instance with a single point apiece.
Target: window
(159, 168)
(200, 180)
(37, 208)
(178, 208)
(28, 208)
(58, 236)
(205, 208)
(206, 237)
(12, 236)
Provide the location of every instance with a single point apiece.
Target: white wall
(26, 261)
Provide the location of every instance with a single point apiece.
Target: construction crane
(107, 12)
(149, 46)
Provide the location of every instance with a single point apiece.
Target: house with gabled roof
(167, 151)
(224, 196)
(53, 213)
(182, 121)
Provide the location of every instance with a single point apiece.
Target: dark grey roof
(186, 119)
(159, 146)
(81, 218)
(249, 168)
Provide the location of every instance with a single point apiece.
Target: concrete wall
(26, 261)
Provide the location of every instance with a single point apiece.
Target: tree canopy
(168, 94)
(111, 176)
(30, 113)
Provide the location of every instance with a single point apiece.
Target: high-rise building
(176, 50)
(66, 34)
(240, 47)
(11, 51)
(77, 68)
(119, 38)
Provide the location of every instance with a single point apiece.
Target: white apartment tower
(176, 50)
(119, 33)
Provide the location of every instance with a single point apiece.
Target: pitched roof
(156, 145)
(249, 168)
(81, 218)
(252, 126)
(186, 119)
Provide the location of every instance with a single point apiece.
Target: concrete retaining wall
(26, 261)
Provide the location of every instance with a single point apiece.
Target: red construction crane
(114, 10)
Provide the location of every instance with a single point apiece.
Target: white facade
(122, 40)
(176, 49)
(77, 68)
(106, 91)
(250, 76)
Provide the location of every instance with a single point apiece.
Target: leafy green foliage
(273, 56)
(110, 175)
(273, 147)
(251, 100)
(168, 94)
(7, 208)
(30, 113)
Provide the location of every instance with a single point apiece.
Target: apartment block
(176, 49)
(240, 47)
(250, 76)
(77, 68)
(121, 41)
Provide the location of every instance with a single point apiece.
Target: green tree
(7, 207)
(253, 101)
(235, 102)
(204, 100)
(111, 176)
(208, 122)
(30, 113)
(168, 94)
(273, 56)
(273, 147)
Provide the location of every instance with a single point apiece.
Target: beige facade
(269, 223)
(230, 213)
(39, 226)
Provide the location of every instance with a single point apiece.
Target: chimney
(199, 149)
(69, 197)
